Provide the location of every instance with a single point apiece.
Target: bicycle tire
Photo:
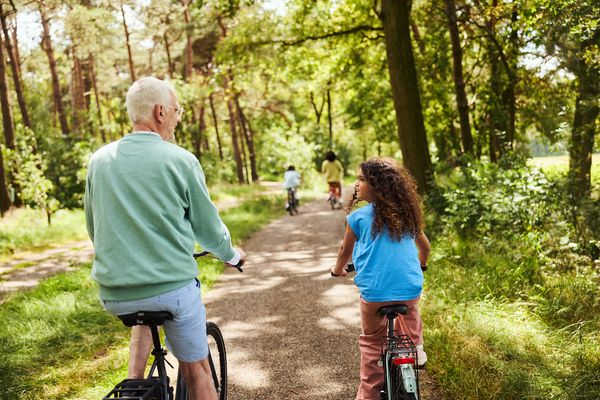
(217, 359)
(398, 390)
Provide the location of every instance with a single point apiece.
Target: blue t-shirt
(385, 270)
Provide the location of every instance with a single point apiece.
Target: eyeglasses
(180, 110)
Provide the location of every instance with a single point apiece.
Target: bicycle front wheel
(218, 364)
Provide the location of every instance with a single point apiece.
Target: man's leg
(140, 346)
(201, 385)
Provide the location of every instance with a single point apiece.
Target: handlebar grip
(201, 254)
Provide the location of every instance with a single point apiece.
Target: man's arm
(87, 206)
(209, 230)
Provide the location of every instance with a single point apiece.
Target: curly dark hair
(396, 202)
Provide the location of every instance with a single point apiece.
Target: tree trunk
(168, 51)
(583, 132)
(405, 91)
(216, 124)
(318, 111)
(197, 140)
(7, 119)
(94, 82)
(56, 92)
(244, 157)
(77, 92)
(15, 40)
(4, 197)
(15, 70)
(329, 121)
(248, 136)
(188, 44)
(235, 143)
(509, 97)
(128, 44)
(459, 83)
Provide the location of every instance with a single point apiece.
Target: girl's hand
(336, 274)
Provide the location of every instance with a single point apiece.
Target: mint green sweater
(146, 205)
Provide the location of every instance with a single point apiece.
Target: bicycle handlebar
(237, 266)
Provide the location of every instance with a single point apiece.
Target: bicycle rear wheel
(217, 359)
(400, 383)
(400, 379)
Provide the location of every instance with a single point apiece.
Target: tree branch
(294, 42)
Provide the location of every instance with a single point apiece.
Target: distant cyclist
(291, 180)
(333, 170)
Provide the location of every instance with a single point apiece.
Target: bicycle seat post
(159, 357)
(391, 318)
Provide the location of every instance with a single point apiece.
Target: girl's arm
(345, 253)
(424, 248)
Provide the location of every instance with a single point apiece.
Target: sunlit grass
(496, 327)
(501, 350)
(57, 336)
(560, 164)
(27, 229)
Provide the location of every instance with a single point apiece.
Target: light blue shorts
(186, 332)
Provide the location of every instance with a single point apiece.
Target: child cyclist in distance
(291, 180)
(390, 252)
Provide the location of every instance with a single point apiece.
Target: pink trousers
(374, 328)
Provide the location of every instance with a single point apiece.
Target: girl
(383, 238)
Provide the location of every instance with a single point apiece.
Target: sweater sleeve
(87, 206)
(209, 230)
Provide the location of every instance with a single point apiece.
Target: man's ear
(159, 113)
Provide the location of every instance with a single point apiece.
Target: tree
(405, 91)
(459, 83)
(570, 30)
(132, 73)
(49, 50)
(15, 69)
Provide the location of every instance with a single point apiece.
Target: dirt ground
(290, 329)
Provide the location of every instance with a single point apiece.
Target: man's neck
(147, 127)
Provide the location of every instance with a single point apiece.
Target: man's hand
(334, 272)
(243, 257)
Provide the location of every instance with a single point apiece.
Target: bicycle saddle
(393, 310)
(145, 318)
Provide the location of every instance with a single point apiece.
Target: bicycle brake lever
(239, 265)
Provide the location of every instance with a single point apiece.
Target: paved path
(27, 269)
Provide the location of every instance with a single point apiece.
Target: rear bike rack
(135, 389)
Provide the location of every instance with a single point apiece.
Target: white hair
(144, 94)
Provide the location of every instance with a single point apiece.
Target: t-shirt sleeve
(353, 223)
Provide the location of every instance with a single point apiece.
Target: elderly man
(146, 205)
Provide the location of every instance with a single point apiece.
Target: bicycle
(399, 357)
(158, 387)
(333, 200)
(399, 360)
(292, 201)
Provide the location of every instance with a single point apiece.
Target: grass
(56, 341)
(497, 326)
(560, 164)
(26, 229)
